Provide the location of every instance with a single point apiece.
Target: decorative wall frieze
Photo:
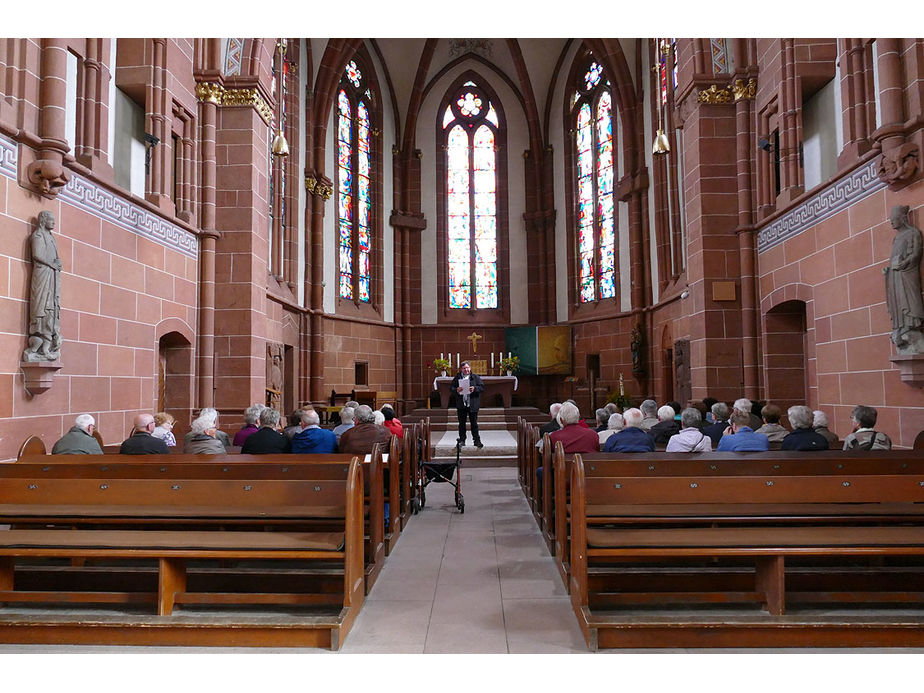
(234, 53)
(217, 94)
(84, 194)
(836, 197)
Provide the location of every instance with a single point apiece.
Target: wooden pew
(235, 530)
(688, 529)
(283, 466)
(709, 464)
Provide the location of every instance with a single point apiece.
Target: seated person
(863, 436)
(613, 425)
(719, 423)
(141, 442)
(251, 418)
(573, 436)
(603, 419)
(391, 422)
(549, 426)
(649, 413)
(79, 440)
(268, 440)
(802, 436)
(220, 435)
(820, 426)
(691, 437)
(347, 414)
(745, 406)
(666, 427)
(203, 441)
(771, 428)
(632, 438)
(708, 402)
(295, 424)
(742, 438)
(379, 418)
(366, 433)
(312, 438)
(164, 428)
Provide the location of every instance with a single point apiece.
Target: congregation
(262, 433)
(706, 426)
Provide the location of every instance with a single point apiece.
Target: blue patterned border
(102, 203)
(863, 182)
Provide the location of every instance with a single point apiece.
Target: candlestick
(492, 359)
(458, 360)
(508, 354)
(441, 356)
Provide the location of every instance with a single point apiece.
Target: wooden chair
(386, 397)
(33, 446)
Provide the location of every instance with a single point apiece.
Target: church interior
(298, 222)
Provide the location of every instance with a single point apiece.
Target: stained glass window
(470, 123)
(592, 113)
(354, 186)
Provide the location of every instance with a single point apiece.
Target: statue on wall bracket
(44, 294)
(903, 284)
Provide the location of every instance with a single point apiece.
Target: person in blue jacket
(743, 438)
(631, 438)
(313, 438)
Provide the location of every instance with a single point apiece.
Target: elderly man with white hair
(802, 436)
(649, 414)
(203, 441)
(573, 436)
(212, 414)
(366, 433)
(268, 440)
(79, 440)
(313, 439)
(666, 427)
(745, 406)
(141, 442)
(631, 438)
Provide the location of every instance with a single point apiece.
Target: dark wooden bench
(232, 465)
(641, 540)
(184, 539)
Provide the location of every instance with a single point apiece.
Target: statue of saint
(44, 294)
(903, 284)
(636, 345)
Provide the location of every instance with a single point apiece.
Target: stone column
(900, 162)
(47, 172)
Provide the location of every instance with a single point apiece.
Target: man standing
(468, 401)
(141, 442)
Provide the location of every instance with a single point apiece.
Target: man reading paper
(468, 388)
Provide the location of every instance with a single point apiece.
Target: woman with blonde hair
(164, 428)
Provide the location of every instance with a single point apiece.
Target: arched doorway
(785, 354)
(175, 378)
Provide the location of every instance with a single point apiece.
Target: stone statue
(903, 284)
(274, 378)
(636, 345)
(44, 294)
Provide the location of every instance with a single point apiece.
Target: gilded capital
(715, 94)
(323, 190)
(310, 183)
(248, 97)
(209, 92)
(744, 90)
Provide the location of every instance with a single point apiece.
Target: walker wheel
(415, 506)
(462, 507)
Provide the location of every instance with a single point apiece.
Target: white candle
(492, 359)
(458, 360)
(508, 354)
(441, 356)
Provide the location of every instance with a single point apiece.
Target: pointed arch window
(355, 101)
(470, 134)
(592, 128)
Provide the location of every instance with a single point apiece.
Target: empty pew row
(687, 535)
(143, 539)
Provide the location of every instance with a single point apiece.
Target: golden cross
(473, 338)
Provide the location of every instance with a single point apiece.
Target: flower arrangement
(510, 364)
(441, 365)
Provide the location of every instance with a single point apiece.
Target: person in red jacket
(392, 423)
(573, 436)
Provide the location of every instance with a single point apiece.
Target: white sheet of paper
(463, 383)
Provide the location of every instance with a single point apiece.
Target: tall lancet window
(592, 118)
(470, 135)
(354, 189)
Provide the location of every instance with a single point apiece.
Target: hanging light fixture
(661, 143)
(280, 145)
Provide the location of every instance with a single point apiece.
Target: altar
(502, 385)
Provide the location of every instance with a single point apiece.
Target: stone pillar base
(911, 367)
(38, 375)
